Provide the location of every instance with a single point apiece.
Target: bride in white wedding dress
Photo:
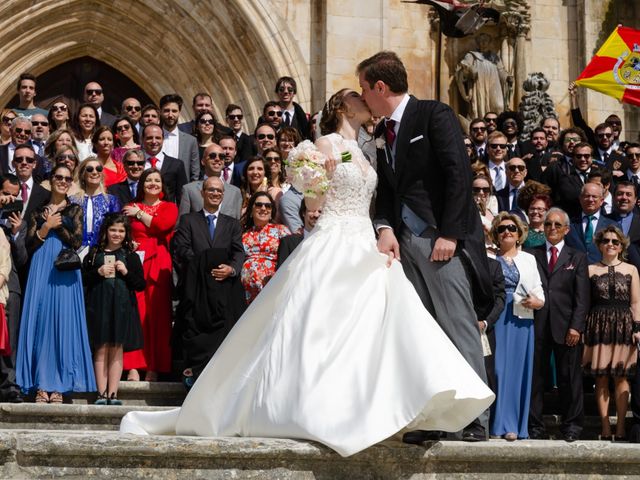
(337, 347)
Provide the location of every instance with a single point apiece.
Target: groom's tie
(390, 133)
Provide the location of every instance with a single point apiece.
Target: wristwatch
(139, 214)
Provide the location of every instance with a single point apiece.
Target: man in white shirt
(497, 153)
(178, 144)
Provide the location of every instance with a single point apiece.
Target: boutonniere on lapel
(380, 143)
(571, 266)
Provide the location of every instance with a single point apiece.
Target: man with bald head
(213, 161)
(132, 108)
(209, 254)
(94, 94)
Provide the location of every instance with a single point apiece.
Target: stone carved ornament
(536, 103)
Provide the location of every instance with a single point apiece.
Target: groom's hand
(388, 244)
(443, 249)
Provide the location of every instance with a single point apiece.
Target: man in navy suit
(508, 196)
(425, 211)
(133, 162)
(591, 219)
(232, 171)
(171, 169)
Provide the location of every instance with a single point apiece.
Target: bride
(338, 347)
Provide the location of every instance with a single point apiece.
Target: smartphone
(110, 260)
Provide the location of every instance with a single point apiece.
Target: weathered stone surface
(109, 455)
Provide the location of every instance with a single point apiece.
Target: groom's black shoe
(474, 433)
(418, 437)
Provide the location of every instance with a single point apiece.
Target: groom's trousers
(445, 291)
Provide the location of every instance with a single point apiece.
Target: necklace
(610, 265)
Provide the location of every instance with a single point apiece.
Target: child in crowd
(112, 274)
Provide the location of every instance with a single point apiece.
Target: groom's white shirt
(397, 116)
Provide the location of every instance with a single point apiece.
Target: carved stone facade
(237, 48)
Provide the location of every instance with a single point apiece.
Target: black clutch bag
(67, 260)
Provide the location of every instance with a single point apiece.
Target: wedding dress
(337, 348)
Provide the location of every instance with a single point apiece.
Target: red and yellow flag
(615, 68)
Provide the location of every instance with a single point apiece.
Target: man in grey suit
(178, 144)
(213, 163)
(425, 212)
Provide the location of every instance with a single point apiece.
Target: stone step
(65, 416)
(136, 393)
(107, 417)
(107, 455)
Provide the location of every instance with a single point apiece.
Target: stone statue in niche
(536, 103)
(482, 80)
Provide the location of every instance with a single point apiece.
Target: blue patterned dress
(102, 204)
(513, 363)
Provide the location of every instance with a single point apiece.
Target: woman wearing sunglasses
(125, 137)
(514, 333)
(612, 328)
(94, 199)
(205, 131)
(6, 117)
(59, 115)
(261, 240)
(53, 355)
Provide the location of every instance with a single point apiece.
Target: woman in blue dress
(53, 354)
(95, 201)
(514, 329)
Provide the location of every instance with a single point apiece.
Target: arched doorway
(235, 50)
(69, 78)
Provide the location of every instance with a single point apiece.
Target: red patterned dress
(261, 247)
(154, 303)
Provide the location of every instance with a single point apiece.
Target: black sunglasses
(553, 224)
(135, 108)
(478, 129)
(124, 126)
(501, 146)
(24, 159)
(216, 155)
(66, 156)
(266, 205)
(134, 163)
(481, 190)
(285, 89)
(262, 136)
(40, 124)
(582, 155)
(22, 130)
(274, 113)
(606, 241)
(93, 91)
(62, 108)
(90, 169)
(235, 117)
(519, 168)
(206, 121)
(62, 178)
(503, 228)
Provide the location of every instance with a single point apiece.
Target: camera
(14, 207)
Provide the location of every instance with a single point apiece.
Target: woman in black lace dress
(613, 327)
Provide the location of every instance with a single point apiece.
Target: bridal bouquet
(305, 169)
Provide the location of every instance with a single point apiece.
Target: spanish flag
(615, 68)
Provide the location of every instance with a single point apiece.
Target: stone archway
(235, 50)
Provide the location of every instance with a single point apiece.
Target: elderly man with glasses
(21, 129)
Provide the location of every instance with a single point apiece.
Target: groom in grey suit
(213, 163)
(425, 214)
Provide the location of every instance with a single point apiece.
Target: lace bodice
(353, 183)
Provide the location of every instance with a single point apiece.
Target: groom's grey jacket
(432, 176)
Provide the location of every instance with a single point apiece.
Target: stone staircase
(80, 440)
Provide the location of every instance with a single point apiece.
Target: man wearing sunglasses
(632, 156)
(558, 325)
(27, 93)
(508, 196)
(213, 162)
(94, 94)
(245, 146)
(21, 129)
(33, 196)
(604, 152)
(497, 155)
(293, 114)
(201, 103)
(133, 162)
(40, 132)
(626, 213)
(272, 114)
(588, 221)
(132, 108)
(265, 136)
(478, 133)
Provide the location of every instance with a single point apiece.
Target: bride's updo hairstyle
(330, 119)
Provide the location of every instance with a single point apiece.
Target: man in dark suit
(245, 144)
(508, 196)
(478, 134)
(94, 95)
(20, 135)
(559, 325)
(292, 114)
(33, 196)
(171, 169)
(425, 211)
(133, 162)
(289, 243)
(625, 211)
(591, 219)
(567, 190)
(232, 171)
(511, 124)
(15, 231)
(632, 174)
(200, 232)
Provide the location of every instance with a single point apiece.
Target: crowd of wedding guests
(131, 241)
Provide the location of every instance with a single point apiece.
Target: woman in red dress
(261, 239)
(152, 224)
(103, 146)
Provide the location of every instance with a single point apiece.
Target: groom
(425, 215)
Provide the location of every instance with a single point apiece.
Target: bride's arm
(325, 146)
